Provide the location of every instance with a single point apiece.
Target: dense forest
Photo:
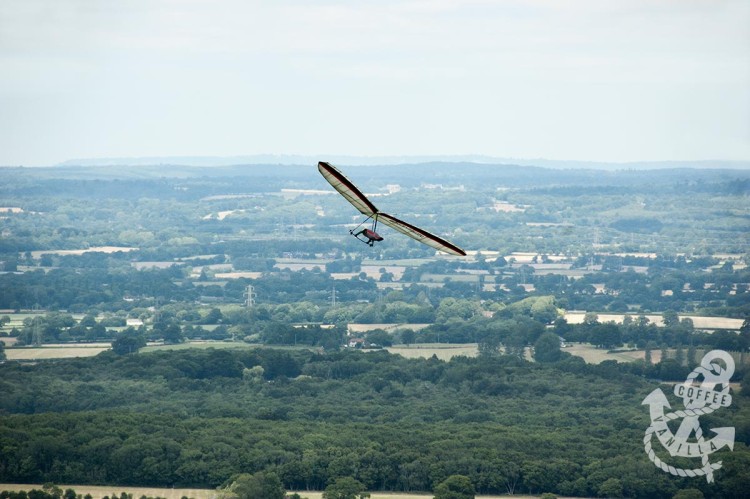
(196, 417)
(257, 260)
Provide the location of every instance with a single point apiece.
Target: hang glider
(352, 194)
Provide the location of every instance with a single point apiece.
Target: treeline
(194, 418)
(171, 215)
(80, 290)
(109, 283)
(308, 318)
(668, 284)
(52, 491)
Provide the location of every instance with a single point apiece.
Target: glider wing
(347, 189)
(420, 235)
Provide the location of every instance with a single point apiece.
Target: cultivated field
(16, 320)
(96, 249)
(199, 344)
(708, 323)
(374, 271)
(56, 351)
(238, 275)
(593, 355)
(97, 492)
(442, 351)
(355, 328)
(297, 264)
(406, 262)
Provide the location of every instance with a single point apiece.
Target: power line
(250, 296)
(333, 297)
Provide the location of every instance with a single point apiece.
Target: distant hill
(469, 175)
(292, 159)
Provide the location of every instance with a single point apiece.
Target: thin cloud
(504, 78)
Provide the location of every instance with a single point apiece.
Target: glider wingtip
(456, 251)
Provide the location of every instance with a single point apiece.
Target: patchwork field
(593, 355)
(355, 328)
(56, 351)
(699, 322)
(98, 492)
(441, 350)
(96, 249)
(16, 320)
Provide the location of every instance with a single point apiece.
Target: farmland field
(698, 321)
(97, 249)
(374, 270)
(238, 275)
(390, 327)
(16, 320)
(56, 351)
(593, 355)
(442, 351)
(406, 262)
(97, 492)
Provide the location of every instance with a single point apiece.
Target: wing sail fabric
(420, 235)
(347, 189)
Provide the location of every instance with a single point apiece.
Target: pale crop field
(443, 351)
(238, 275)
(200, 344)
(593, 355)
(449, 277)
(406, 262)
(16, 320)
(96, 249)
(55, 352)
(387, 495)
(374, 271)
(390, 327)
(97, 492)
(699, 322)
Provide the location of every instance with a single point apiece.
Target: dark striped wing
(346, 188)
(420, 235)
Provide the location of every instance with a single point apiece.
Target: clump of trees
(345, 488)
(251, 486)
(52, 491)
(455, 487)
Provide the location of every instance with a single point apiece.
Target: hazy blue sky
(579, 79)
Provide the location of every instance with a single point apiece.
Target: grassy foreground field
(97, 492)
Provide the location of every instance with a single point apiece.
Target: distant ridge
(293, 159)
